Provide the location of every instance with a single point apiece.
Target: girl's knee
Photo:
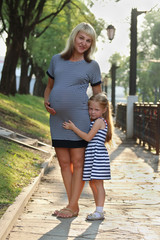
(98, 183)
(91, 183)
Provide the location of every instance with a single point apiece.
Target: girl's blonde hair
(101, 98)
(69, 49)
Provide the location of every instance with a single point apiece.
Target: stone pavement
(132, 203)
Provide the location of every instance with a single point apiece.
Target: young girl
(97, 163)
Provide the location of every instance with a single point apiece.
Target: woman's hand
(68, 125)
(49, 109)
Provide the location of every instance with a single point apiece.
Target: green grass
(25, 114)
(19, 165)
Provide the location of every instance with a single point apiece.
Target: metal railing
(121, 116)
(146, 123)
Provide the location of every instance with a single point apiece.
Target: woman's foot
(67, 213)
(55, 212)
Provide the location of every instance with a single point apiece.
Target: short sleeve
(95, 74)
(50, 71)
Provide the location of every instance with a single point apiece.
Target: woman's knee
(63, 158)
(77, 158)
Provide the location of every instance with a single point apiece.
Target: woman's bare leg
(64, 160)
(77, 158)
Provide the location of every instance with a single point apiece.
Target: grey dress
(69, 98)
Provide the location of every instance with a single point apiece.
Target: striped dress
(97, 163)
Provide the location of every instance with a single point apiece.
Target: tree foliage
(148, 61)
(19, 19)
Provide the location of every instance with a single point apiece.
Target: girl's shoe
(95, 216)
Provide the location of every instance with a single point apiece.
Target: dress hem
(69, 143)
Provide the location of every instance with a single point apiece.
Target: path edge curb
(12, 213)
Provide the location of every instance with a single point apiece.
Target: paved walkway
(132, 202)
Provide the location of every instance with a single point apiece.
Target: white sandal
(94, 217)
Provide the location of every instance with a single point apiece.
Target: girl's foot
(95, 216)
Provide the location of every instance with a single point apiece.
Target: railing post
(130, 115)
(158, 129)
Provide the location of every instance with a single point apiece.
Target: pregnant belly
(63, 100)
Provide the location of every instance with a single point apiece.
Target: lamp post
(105, 83)
(113, 76)
(133, 51)
(111, 32)
(132, 98)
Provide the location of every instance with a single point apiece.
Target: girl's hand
(49, 109)
(68, 125)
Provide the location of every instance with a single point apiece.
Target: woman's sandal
(64, 213)
(55, 213)
(94, 217)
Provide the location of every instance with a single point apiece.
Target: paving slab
(132, 203)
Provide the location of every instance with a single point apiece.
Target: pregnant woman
(65, 97)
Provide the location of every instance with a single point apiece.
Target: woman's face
(82, 42)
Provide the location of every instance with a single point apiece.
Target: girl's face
(82, 42)
(95, 110)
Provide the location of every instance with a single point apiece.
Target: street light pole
(132, 98)
(133, 51)
(113, 76)
(111, 32)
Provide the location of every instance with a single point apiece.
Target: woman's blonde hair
(101, 98)
(69, 49)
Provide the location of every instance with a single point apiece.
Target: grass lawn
(24, 114)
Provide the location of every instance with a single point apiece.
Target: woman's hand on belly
(49, 109)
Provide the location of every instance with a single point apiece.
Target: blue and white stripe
(97, 162)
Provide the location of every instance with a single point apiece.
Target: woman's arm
(96, 89)
(86, 136)
(46, 96)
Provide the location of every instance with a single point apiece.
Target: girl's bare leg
(94, 190)
(98, 192)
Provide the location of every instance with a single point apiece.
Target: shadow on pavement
(91, 232)
(61, 231)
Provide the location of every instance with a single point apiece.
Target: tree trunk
(22, 17)
(8, 80)
(25, 75)
(1, 1)
(39, 86)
